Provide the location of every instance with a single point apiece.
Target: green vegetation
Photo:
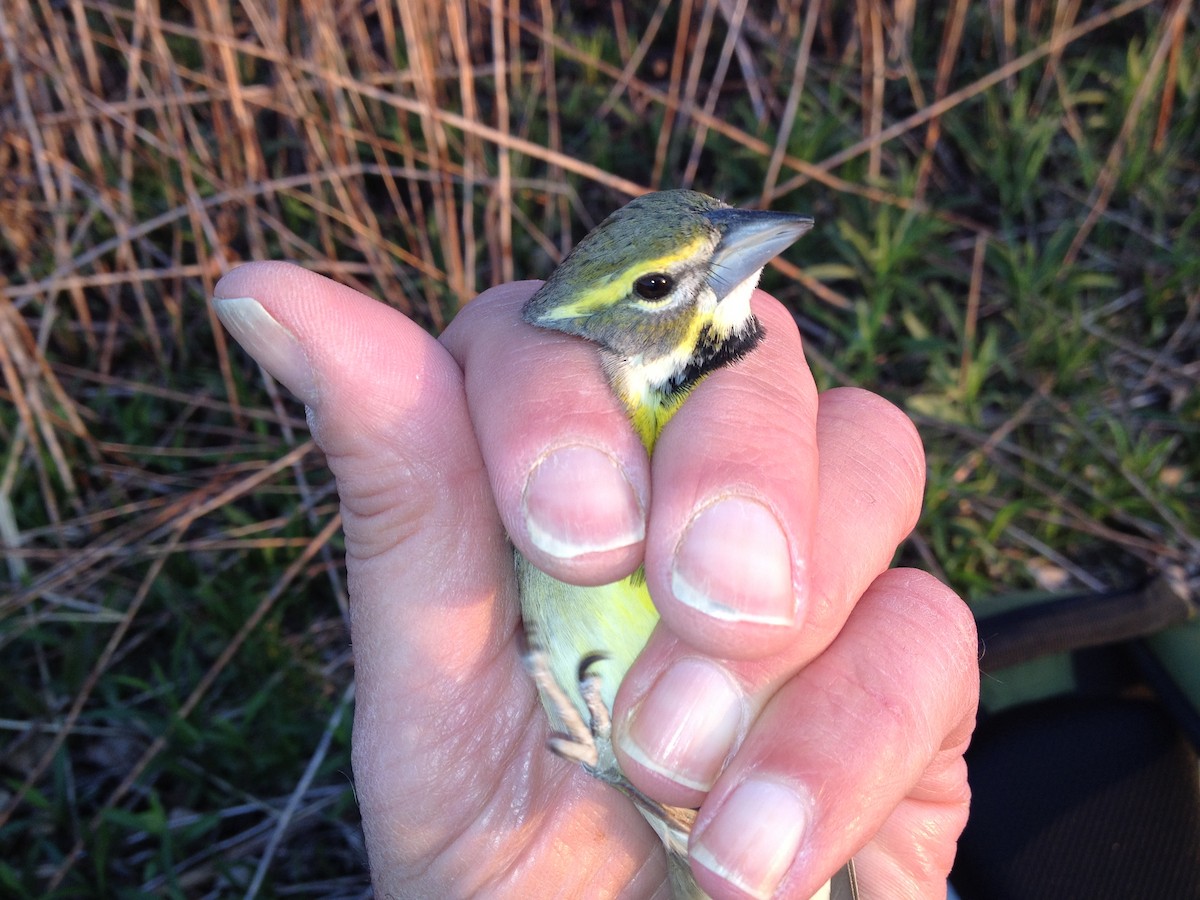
(1006, 247)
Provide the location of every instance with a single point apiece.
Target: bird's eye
(654, 286)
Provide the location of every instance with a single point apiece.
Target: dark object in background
(1081, 797)
(1084, 771)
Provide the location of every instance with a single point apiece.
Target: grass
(1006, 247)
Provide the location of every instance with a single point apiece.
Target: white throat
(733, 313)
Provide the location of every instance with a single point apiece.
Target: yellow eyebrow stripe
(606, 294)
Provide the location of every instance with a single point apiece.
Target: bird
(662, 287)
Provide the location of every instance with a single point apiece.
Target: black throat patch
(712, 353)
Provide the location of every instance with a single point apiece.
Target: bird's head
(663, 286)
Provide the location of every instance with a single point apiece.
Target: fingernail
(273, 347)
(755, 835)
(734, 564)
(687, 723)
(577, 500)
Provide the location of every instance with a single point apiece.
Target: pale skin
(841, 732)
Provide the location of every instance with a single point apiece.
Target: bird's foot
(590, 743)
(587, 743)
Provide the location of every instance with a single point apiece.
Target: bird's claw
(590, 691)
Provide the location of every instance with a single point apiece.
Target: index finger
(570, 478)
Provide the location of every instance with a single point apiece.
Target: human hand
(841, 733)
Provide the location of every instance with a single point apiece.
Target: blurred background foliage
(1006, 247)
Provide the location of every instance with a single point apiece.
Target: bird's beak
(750, 238)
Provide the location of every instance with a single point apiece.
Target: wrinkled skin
(856, 714)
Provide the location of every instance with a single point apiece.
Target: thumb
(432, 603)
